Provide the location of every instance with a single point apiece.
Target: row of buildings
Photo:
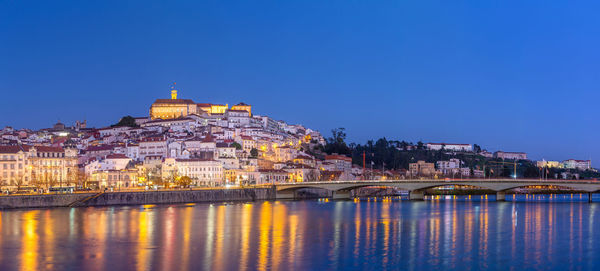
(567, 164)
(453, 147)
(211, 144)
(451, 168)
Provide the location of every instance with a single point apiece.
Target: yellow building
(53, 165)
(212, 108)
(176, 108)
(218, 108)
(172, 108)
(242, 106)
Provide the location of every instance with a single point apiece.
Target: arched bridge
(341, 189)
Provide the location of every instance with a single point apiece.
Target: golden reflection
(220, 238)
(145, 225)
(169, 236)
(277, 238)
(49, 235)
(187, 229)
(29, 254)
(101, 226)
(266, 220)
(246, 226)
(292, 246)
(210, 236)
(385, 221)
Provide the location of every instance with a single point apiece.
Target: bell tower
(173, 92)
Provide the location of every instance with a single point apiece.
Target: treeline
(395, 155)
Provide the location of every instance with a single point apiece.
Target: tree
(184, 181)
(336, 143)
(236, 145)
(403, 145)
(173, 178)
(128, 121)
(476, 148)
(18, 181)
(254, 152)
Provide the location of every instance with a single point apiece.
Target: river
(442, 233)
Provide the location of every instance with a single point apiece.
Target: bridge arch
(575, 187)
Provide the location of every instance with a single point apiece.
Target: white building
(133, 151)
(340, 162)
(577, 164)
(237, 118)
(152, 146)
(510, 155)
(450, 147)
(449, 167)
(205, 172)
(111, 162)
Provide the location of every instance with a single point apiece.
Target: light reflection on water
(382, 233)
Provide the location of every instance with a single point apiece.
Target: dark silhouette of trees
(128, 121)
(336, 143)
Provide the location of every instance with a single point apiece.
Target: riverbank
(135, 198)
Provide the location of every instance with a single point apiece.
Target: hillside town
(182, 143)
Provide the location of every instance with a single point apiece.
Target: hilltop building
(450, 147)
(510, 155)
(577, 164)
(178, 108)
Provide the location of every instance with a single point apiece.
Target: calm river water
(436, 234)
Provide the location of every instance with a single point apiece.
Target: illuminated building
(549, 164)
(115, 178)
(22, 165)
(13, 165)
(206, 172)
(272, 176)
(218, 108)
(172, 108)
(53, 165)
(177, 108)
(242, 107)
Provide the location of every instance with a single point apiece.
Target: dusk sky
(507, 75)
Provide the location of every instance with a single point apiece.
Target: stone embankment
(133, 198)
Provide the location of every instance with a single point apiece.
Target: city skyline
(434, 76)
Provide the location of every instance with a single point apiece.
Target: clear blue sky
(511, 75)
